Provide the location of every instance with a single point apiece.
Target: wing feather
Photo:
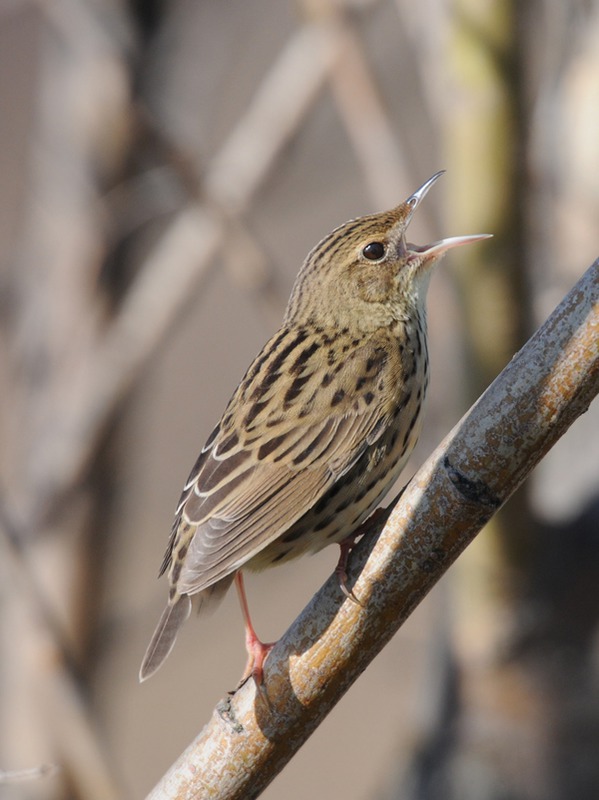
(264, 470)
(214, 554)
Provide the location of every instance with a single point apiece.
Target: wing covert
(264, 469)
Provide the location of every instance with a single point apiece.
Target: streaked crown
(365, 274)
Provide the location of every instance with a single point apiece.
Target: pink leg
(256, 650)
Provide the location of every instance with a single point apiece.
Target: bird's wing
(279, 447)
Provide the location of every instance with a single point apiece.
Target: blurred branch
(191, 241)
(58, 685)
(359, 102)
(15, 555)
(74, 735)
(546, 386)
(31, 774)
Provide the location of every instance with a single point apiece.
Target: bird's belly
(350, 500)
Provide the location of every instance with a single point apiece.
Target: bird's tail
(173, 616)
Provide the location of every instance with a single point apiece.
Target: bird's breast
(354, 495)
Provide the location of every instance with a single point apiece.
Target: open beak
(435, 250)
(431, 252)
(415, 199)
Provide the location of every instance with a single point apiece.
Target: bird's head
(365, 274)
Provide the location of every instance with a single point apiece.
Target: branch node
(474, 491)
(225, 711)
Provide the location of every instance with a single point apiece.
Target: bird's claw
(342, 578)
(345, 548)
(257, 653)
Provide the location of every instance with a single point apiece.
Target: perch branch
(545, 387)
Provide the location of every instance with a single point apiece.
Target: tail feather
(210, 598)
(173, 616)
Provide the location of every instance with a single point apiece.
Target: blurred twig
(22, 574)
(31, 774)
(547, 385)
(358, 100)
(190, 242)
(58, 686)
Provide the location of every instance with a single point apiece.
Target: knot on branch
(475, 491)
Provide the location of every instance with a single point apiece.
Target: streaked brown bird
(320, 426)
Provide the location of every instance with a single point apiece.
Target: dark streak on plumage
(264, 356)
(227, 444)
(409, 430)
(337, 397)
(345, 504)
(227, 419)
(294, 533)
(335, 238)
(400, 406)
(304, 357)
(271, 377)
(324, 522)
(270, 446)
(339, 484)
(318, 439)
(255, 409)
(296, 388)
(281, 357)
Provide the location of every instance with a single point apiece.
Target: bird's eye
(374, 251)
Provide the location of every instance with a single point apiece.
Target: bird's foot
(257, 653)
(347, 545)
(254, 668)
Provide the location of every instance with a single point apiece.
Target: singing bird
(320, 426)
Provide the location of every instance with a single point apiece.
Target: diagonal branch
(546, 386)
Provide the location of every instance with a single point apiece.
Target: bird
(319, 428)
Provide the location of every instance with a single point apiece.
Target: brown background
(113, 117)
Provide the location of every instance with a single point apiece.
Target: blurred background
(165, 167)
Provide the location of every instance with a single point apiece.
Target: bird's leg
(257, 650)
(347, 545)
